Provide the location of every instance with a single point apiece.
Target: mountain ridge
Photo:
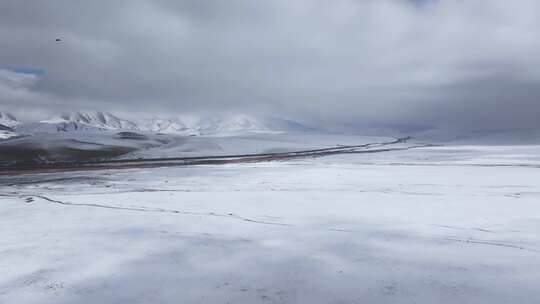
(183, 124)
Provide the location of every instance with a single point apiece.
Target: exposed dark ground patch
(131, 136)
(29, 153)
(5, 128)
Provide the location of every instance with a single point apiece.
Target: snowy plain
(452, 224)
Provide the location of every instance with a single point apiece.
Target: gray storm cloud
(473, 64)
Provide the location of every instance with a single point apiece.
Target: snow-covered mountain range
(215, 124)
(98, 120)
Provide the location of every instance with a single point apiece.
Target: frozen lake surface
(457, 224)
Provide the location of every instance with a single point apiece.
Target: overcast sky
(465, 63)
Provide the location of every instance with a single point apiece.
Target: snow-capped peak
(235, 123)
(162, 125)
(216, 124)
(99, 120)
(8, 120)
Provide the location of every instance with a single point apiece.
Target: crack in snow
(491, 243)
(158, 210)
